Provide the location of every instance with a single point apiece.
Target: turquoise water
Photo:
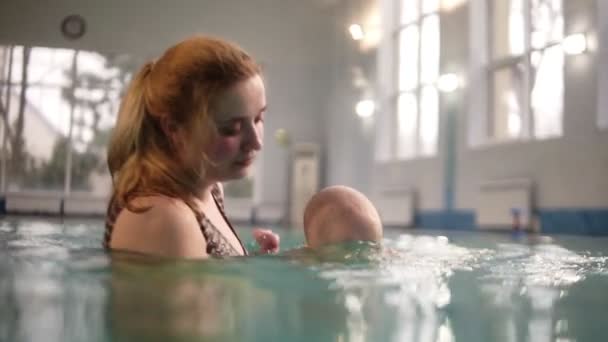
(57, 284)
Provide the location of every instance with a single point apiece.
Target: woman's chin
(240, 172)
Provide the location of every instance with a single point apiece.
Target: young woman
(190, 120)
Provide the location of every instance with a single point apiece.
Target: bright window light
(575, 44)
(429, 120)
(429, 49)
(514, 124)
(407, 120)
(448, 83)
(365, 108)
(356, 31)
(408, 58)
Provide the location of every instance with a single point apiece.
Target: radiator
(85, 204)
(395, 208)
(499, 200)
(35, 202)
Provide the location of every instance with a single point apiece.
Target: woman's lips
(245, 162)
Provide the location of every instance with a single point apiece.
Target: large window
(410, 129)
(57, 108)
(525, 70)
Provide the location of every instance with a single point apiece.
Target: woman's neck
(203, 193)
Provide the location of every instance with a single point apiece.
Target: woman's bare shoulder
(165, 226)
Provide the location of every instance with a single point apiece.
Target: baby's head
(339, 214)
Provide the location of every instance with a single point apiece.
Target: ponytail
(125, 138)
(139, 164)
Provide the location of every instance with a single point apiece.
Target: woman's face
(239, 117)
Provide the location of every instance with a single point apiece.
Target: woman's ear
(171, 130)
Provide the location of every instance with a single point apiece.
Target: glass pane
(88, 155)
(94, 117)
(407, 116)
(50, 66)
(4, 60)
(508, 27)
(429, 54)
(94, 64)
(3, 152)
(507, 101)
(408, 58)
(429, 120)
(547, 22)
(111, 71)
(52, 103)
(5, 106)
(409, 11)
(37, 136)
(101, 79)
(430, 6)
(547, 98)
(17, 63)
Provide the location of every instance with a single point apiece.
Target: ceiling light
(365, 108)
(356, 31)
(575, 44)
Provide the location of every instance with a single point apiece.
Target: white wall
(349, 139)
(290, 37)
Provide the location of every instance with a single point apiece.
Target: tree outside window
(57, 107)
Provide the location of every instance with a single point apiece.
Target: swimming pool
(57, 284)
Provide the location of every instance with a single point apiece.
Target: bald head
(339, 214)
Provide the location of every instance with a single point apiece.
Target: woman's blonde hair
(181, 87)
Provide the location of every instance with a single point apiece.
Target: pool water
(57, 284)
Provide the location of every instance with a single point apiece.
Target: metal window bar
(68, 160)
(7, 107)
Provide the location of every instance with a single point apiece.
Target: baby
(339, 214)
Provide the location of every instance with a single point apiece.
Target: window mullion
(505, 62)
(489, 71)
(527, 119)
(394, 97)
(393, 109)
(417, 92)
(5, 127)
(67, 186)
(491, 115)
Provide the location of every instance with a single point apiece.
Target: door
(304, 180)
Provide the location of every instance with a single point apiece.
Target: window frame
(493, 65)
(397, 29)
(8, 81)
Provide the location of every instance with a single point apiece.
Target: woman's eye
(229, 130)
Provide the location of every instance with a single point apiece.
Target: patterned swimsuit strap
(218, 197)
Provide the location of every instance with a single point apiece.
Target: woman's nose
(253, 140)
